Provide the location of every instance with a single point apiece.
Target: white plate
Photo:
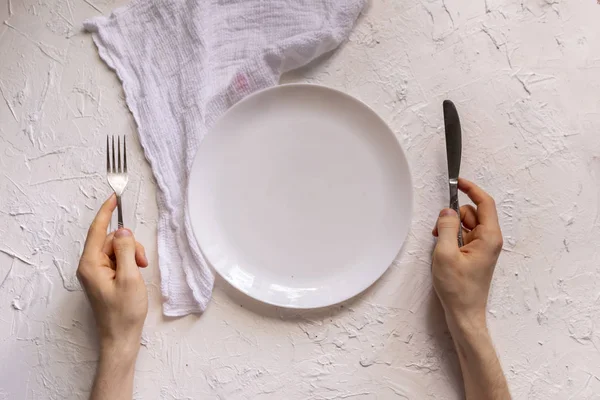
(300, 196)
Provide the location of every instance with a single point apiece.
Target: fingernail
(112, 199)
(123, 232)
(447, 212)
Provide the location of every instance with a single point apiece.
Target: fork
(117, 175)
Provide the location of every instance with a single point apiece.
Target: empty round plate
(300, 196)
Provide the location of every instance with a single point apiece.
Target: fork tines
(115, 166)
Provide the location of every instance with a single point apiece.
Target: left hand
(108, 271)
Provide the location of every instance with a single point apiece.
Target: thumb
(124, 246)
(448, 225)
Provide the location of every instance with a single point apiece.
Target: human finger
(468, 236)
(468, 217)
(448, 225)
(107, 248)
(140, 252)
(140, 255)
(124, 247)
(486, 206)
(97, 232)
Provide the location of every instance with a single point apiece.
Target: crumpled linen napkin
(182, 64)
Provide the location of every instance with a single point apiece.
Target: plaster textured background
(525, 76)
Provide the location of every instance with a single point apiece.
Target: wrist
(117, 365)
(115, 372)
(120, 352)
(466, 328)
(471, 337)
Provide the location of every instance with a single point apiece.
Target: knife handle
(454, 205)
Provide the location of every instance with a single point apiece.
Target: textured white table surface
(525, 76)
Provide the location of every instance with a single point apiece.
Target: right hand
(462, 276)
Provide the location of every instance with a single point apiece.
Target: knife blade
(453, 154)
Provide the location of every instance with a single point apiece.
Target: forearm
(114, 376)
(482, 373)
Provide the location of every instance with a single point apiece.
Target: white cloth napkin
(182, 64)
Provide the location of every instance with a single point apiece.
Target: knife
(453, 153)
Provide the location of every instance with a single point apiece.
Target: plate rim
(339, 299)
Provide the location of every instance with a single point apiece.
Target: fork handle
(119, 213)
